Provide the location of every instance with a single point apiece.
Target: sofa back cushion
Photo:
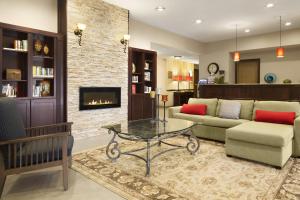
(246, 108)
(230, 110)
(11, 124)
(275, 117)
(276, 106)
(211, 104)
(194, 109)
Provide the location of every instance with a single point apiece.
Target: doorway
(247, 71)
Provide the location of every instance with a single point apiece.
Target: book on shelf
(135, 79)
(147, 89)
(38, 71)
(147, 76)
(133, 89)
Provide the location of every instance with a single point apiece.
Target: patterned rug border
(272, 192)
(103, 183)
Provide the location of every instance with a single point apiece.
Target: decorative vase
(46, 49)
(38, 46)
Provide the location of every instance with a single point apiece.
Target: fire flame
(99, 102)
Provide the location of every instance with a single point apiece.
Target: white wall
(284, 68)
(142, 35)
(220, 51)
(37, 14)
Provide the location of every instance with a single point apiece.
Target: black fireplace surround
(91, 98)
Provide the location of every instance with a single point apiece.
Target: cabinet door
(43, 112)
(137, 107)
(147, 107)
(24, 108)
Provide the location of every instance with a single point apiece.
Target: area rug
(178, 175)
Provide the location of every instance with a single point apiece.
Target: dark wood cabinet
(137, 102)
(43, 111)
(183, 97)
(147, 109)
(142, 66)
(24, 108)
(281, 92)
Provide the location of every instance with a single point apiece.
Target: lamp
(236, 55)
(125, 41)
(280, 49)
(78, 31)
(164, 99)
(177, 78)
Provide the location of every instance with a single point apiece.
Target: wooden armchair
(33, 148)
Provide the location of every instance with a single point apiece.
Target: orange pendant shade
(280, 52)
(236, 56)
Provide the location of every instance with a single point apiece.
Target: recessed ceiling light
(198, 21)
(270, 5)
(177, 57)
(247, 30)
(288, 23)
(160, 8)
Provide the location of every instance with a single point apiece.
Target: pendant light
(236, 55)
(280, 49)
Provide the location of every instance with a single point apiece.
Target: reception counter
(285, 92)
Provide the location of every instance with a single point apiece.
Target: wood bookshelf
(139, 102)
(35, 92)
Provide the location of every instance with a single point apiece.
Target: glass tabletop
(147, 129)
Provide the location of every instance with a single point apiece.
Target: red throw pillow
(275, 117)
(195, 109)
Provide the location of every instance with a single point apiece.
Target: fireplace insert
(99, 97)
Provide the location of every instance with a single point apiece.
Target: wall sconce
(125, 41)
(78, 31)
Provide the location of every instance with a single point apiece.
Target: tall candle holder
(153, 98)
(164, 98)
(158, 91)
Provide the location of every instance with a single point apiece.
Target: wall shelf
(36, 110)
(139, 102)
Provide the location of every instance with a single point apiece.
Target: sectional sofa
(264, 142)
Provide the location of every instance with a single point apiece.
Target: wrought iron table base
(113, 151)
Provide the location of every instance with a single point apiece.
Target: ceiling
(219, 16)
(170, 52)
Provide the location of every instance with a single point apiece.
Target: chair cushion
(275, 117)
(11, 124)
(230, 110)
(194, 118)
(195, 109)
(246, 108)
(211, 104)
(223, 123)
(277, 106)
(277, 135)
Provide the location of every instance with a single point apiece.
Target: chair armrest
(173, 110)
(296, 150)
(49, 129)
(33, 138)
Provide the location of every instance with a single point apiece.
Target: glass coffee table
(152, 133)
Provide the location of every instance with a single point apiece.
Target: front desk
(284, 92)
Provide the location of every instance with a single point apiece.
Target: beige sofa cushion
(277, 135)
(194, 118)
(211, 104)
(246, 108)
(223, 123)
(277, 106)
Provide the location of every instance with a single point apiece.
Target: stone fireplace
(91, 98)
